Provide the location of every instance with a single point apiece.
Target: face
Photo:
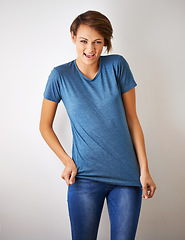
(89, 45)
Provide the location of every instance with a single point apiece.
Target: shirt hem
(108, 181)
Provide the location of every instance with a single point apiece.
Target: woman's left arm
(137, 136)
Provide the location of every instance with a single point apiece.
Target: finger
(67, 179)
(72, 178)
(152, 191)
(145, 188)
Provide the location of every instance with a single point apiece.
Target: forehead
(88, 32)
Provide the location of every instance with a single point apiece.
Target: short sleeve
(126, 78)
(52, 90)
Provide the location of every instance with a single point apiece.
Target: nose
(90, 47)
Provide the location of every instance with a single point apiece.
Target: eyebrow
(94, 40)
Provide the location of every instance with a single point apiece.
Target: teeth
(88, 54)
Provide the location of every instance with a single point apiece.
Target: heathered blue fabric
(102, 146)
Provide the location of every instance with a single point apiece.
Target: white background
(35, 38)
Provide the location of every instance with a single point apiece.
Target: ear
(73, 37)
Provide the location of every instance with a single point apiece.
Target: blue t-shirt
(102, 146)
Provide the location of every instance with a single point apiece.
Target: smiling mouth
(89, 55)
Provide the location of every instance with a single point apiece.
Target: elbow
(132, 121)
(131, 118)
(43, 127)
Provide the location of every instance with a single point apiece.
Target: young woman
(108, 154)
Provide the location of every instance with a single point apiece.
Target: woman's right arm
(46, 129)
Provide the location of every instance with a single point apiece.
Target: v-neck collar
(86, 78)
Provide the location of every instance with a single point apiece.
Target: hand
(148, 185)
(69, 172)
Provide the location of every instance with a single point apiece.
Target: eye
(98, 42)
(83, 41)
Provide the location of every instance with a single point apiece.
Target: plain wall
(35, 38)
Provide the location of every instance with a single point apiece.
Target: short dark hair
(98, 22)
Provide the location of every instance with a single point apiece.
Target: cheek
(99, 47)
(80, 48)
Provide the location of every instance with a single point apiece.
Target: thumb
(145, 192)
(67, 179)
(72, 178)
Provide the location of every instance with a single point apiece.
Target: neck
(89, 69)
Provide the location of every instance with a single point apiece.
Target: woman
(108, 155)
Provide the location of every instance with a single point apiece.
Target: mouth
(89, 56)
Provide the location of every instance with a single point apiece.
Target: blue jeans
(85, 203)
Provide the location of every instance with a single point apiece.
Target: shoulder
(64, 68)
(114, 59)
(56, 72)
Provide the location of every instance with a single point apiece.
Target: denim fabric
(85, 203)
